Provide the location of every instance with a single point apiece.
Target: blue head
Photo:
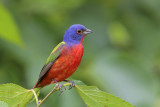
(75, 34)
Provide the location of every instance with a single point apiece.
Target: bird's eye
(79, 31)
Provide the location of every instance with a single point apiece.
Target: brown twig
(55, 88)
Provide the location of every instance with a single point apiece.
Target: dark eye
(79, 31)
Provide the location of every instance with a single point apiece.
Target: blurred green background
(121, 57)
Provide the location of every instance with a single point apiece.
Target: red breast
(65, 65)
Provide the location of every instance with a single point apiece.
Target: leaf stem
(35, 95)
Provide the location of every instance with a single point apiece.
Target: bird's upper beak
(87, 31)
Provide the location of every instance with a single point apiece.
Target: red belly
(64, 66)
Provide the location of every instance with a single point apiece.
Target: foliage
(13, 95)
(8, 28)
(93, 97)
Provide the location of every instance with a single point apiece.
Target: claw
(60, 87)
(72, 84)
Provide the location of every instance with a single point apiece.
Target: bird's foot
(72, 84)
(60, 87)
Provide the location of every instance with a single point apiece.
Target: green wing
(50, 61)
(55, 53)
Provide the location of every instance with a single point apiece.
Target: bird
(65, 58)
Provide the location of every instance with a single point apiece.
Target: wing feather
(55, 54)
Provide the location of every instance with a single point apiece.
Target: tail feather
(39, 84)
(35, 86)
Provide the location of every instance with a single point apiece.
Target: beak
(87, 31)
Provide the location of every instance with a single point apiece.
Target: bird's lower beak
(87, 31)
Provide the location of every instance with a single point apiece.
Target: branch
(55, 88)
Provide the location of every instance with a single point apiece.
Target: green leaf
(8, 29)
(15, 95)
(93, 97)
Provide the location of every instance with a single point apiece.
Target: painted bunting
(65, 58)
